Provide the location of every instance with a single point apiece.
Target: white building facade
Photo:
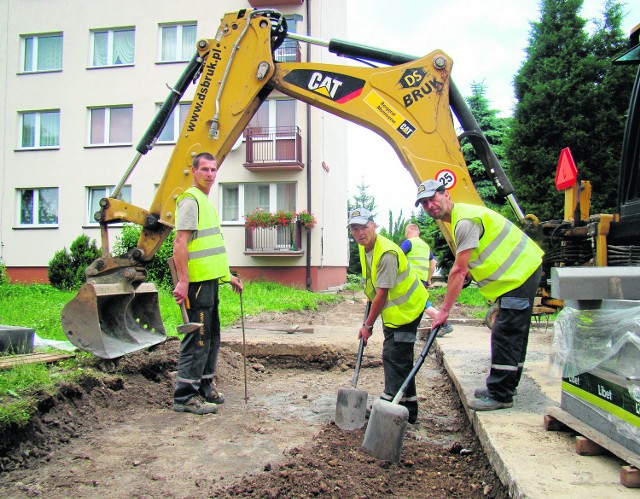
(83, 81)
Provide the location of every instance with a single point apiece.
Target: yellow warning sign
(389, 113)
(386, 110)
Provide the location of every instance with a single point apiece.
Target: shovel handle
(417, 366)
(174, 278)
(356, 374)
(354, 380)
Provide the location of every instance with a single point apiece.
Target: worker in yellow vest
(423, 263)
(506, 265)
(396, 294)
(201, 264)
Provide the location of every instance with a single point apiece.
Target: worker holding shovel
(201, 264)
(397, 294)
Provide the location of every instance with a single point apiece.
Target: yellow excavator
(409, 101)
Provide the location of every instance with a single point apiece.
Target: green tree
(569, 95)
(395, 230)
(67, 267)
(494, 129)
(361, 199)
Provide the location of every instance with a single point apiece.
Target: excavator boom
(407, 101)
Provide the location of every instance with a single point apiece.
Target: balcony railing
(273, 241)
(289, 51)
(273, 3)
(278, 148)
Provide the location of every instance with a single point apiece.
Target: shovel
(351, 406)
(388, 420)
(187, 327)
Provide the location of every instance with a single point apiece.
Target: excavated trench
(273, 437)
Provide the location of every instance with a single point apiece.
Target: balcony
(289, 51)
(273, 241)
(274, 149)
(256, 4)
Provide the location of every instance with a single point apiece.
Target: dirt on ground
(274, 436)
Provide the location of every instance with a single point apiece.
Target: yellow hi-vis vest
(419, 257)
(407, 297)
(207, 254)
(505, 258)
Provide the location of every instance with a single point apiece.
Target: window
(177, 42)
(238, 199)
(41, 53)
(171, 130)
(39, 129)
(274, 113)
(38, 206)
(95, 194)
(112, 47)
(289, 51)
(273, 132)
(110, 125)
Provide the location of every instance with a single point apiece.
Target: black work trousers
(509, 338)
(397, 360)
(199, 349)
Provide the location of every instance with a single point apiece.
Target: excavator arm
(408, 101)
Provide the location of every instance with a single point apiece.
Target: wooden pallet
(591, 442)
(30, 358)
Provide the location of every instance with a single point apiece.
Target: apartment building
(82, 81)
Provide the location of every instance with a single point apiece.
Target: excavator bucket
(114, 319)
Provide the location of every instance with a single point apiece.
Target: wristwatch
(370, 328)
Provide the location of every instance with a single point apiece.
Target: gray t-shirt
(468, 233)
(187, 214)
(387, 269)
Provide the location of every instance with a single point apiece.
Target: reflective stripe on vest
(407, 297)
(506, 256)
(419, 257)
(207, 254)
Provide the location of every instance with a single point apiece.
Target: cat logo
(338, 87)
(324, 85)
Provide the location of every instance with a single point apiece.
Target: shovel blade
(112, 320)
(385, 431)
(351, 408)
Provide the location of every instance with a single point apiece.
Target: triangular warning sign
(566, 173)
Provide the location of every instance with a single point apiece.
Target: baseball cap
(428, 189)
(360, 216)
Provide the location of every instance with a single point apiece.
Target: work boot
(484, 392)
(446, 328)
(196, 405)
(215, 397)
(488, 404)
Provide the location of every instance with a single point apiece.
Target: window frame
(36, 37)
(37, 132)
(110, 47)
(177, 124)
(125, 193)
(107, 126)
(35, 208)
(273, 198)
(179, 56)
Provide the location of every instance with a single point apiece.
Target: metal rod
(244, 349)
(125, 177)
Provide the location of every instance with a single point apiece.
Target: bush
(67, 268)
(4, 278)
(157, 269)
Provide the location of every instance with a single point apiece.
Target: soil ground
(118, 437)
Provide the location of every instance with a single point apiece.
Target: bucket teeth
(112, 320)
